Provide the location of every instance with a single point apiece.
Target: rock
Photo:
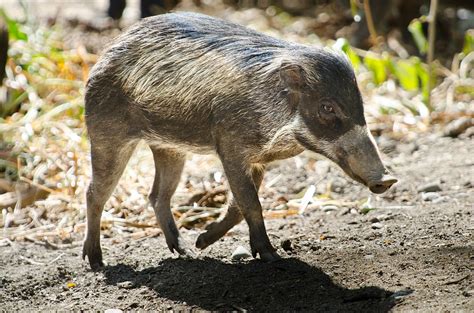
(431, 187)
(374, 219)
(441, 199)
(126, 284)
(386, 144)
(329, 208)
(402, 293)
(286, 244)
(469, 133)
(430, 196)
(468, 293)
(113, 311)
(458, 126)
(376, 225)
(240, 253)
(408, 148)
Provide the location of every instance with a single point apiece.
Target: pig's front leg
(233, 216)
(245, 194)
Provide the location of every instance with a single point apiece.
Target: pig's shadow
(287, 285)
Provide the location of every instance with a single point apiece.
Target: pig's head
(328, 105)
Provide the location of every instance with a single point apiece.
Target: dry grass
(44, 159)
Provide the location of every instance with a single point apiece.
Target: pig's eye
(328, 109)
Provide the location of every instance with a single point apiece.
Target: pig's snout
(383, 184)
(358, 156)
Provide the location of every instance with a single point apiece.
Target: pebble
(286, 244)
(402, 293)
(440, 199)
(374, 219)
(376, 225)
(468, 293)
(431, 187)
(240, 253)
(430, 196)
(329, 208)
(125, 284)
(458, 126)
(408, 148)
(113, 311)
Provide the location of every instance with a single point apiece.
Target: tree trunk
(3, 48)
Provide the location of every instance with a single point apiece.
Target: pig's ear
(292, 75)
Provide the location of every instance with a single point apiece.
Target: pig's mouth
(383, 185)
(376, 186)
(340, 158)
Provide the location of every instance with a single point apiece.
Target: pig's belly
(181, 146)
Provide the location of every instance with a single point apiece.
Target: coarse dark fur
(192, 83)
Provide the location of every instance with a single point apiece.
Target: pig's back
(183, 59)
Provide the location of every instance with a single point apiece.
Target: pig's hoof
(269, 257)
(202, 242)
(94, 256)
(212, 234)
(180, 246)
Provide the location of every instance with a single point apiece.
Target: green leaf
(343, 44)
(406, 72)
(377, 66)
(14, 28)
(416, 30)
(354, 8)
(354, 58)
(366, 210)
(468, 42)
(424, 77)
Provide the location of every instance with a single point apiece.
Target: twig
(431, 42)
(211, 194)
(33, 262)
(45, 243)
(453, 282)
(56, 258)
(370, 22)
(114, 220)
(21, 232)
(308, 196)
(39, 186)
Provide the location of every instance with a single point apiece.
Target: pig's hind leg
(168, 168)
(233, 216)
(108, 162)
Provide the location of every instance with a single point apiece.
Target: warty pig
(186, 82)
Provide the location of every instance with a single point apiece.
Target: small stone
(458, 126)
(468, 293)
(369, 256)
(431, 187)
(430, 196)
(126, 284)
(440, 199)
(113, 311)
(402, 293)
(240, 253)
(329, 208)
(374, 219)
(408, 148)
(377, 226)
(286, 244)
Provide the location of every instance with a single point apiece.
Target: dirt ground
(415, 252)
